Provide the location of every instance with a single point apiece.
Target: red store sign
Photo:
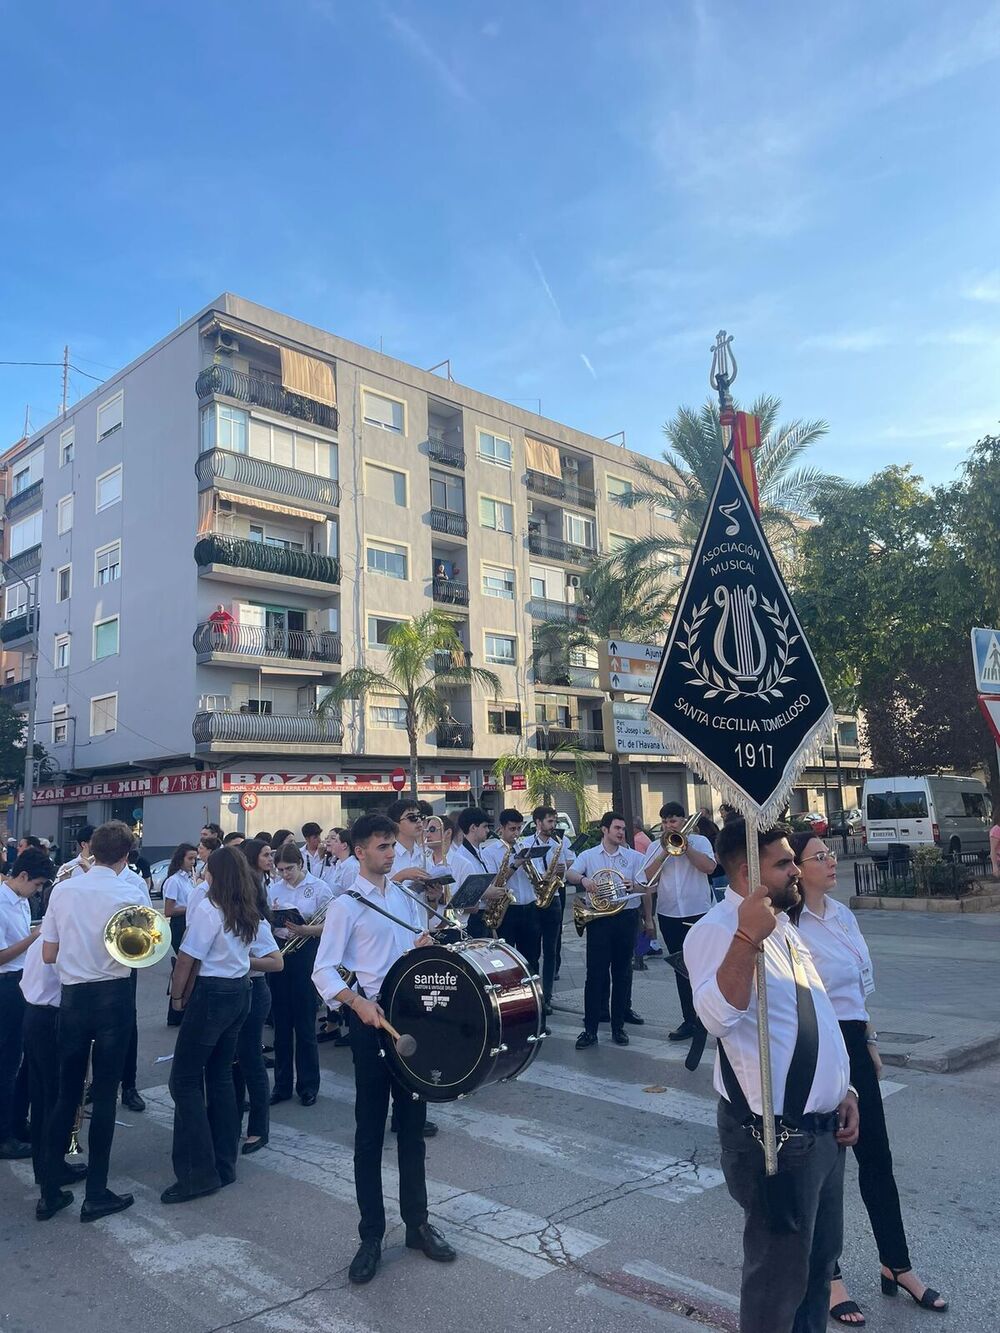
(111, 789)
(318, 783)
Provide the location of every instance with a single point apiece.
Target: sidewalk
(937, 998)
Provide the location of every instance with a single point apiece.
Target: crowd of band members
(67, 1008)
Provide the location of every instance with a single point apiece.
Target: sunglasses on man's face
(414, 819)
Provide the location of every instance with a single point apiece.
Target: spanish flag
(746, 438)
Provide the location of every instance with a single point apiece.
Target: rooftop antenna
(618, 435)
(65, 382)
(447, 364)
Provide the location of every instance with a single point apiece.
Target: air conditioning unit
(225, 342)
(572, 580)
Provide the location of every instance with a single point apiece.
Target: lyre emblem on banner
(739, 630)
(735, 650)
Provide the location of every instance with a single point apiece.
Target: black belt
(14, 977)
(812, 1122)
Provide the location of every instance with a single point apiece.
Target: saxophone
(546, 886)
(494, 913)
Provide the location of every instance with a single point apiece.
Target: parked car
(810, 821)
(936, 810)
(846, 822)
(158, 873)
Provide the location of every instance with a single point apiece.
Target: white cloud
(985, 287)
(586, 361)
(545, 283)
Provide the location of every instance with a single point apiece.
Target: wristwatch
(852, 1088)
(872, 1040)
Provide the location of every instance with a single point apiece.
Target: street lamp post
(29, 742)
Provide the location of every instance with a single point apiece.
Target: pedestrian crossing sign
(986, 659)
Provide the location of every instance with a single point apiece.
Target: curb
(987, 902)
(939, 1056)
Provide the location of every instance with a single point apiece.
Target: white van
(936, 810)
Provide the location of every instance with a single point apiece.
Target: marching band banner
(738, 694)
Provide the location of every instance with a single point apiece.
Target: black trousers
(785, 1287)
(562, 917)
(550, 922)
(877, 1183)
(250, 1077)
(373, 1086)
(610, 943)
(11, 1021)
(293, 1008)
(101, 1013)
(522, 929)
(674, 931)
(41, 1034)
(206, 1119)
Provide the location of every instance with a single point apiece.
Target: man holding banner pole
(739, 697)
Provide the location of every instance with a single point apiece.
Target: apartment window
(9, 676)
(579, 531)
(263, 706)
(16, 599)
(385, 484)
(64, 514)
(498, 582)
(617, 541)
(447, 493)
(64, 583)
(495, 449)
(60, 656)
(503, 719)
(105, 638)
(496, 514)
(103, 714)
(110, 416)
(379, 628)
(500, 649)
(26, 471)
(109, 488)
(665, 512)
(224, 428)
(67, 446)
(26, 532)
(390, 561)
(386, 413)
(268, 537)
(617, 487)
(107, 564)
(60, 724)
(305, 453)
(387, 711)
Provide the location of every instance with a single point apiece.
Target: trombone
(674, 843)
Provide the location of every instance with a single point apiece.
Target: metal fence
(900, 876)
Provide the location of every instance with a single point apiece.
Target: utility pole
(65, 386)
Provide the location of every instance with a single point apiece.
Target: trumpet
(674, 843)
(610, 893)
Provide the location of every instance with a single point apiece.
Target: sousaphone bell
(137, 936)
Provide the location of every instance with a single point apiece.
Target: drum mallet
(404, 1043)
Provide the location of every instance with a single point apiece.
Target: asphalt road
(586, 1194)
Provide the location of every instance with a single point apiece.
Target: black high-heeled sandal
(891, 1285)
(843, 1311)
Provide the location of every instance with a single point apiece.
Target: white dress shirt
(40, 980)
(15, 924)
(519, 884)
(341, 874)
(408, 860)
(78, 911)
(361, 940)
(221, 953)
(542, 863)
(179, 888)
(77, 866)
(682, 889)
(476, 856)
(705, 947)
(264, 943)
(841, 956)
(313, 861)
(627, 862)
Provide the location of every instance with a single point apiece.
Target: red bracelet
(742, 935)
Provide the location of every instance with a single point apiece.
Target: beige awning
(307, 376)
(270, 506)
(206, 519)
(542, 457)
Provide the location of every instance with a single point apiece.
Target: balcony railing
(573, 677)
(28, 561)
(455, 525)
(559, 488)
(17, 627)
(244, 554)
(222, 465)
(549, 608)
(451, 455)
(266, 729)
(254, 389)
(15, 693)
(547, 738)
(24, 500)
(454, 736)
(258, 641)
(451, 593)
(444, 661)
(551, 548)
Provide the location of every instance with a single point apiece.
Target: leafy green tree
(13, 735)
(411, 673)
(543, 778)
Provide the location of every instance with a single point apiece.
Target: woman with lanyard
(223, 928)
(250, 1078)
(296, 1052)
(844, 964)
(177, 889)
(340, 866)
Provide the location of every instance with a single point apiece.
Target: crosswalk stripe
(672, 1103)
(697, 1292)
(506, 1237)
(627, 1312)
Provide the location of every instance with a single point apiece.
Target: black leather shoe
(131, 1099)
(12, 1150)
(586, 1039)
(176, 1193)
(110, 1203)
(429, 1239)
(632, 1017)
(278, 1097)
(620, 1037)
(365, 1263)
(73, 1172)
(308, 1099)
(254, 1146)
(46, 1208)
(684, 1033)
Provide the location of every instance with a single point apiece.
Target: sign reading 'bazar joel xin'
(738, 690)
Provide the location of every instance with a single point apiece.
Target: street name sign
(627, 730)
(629, 668)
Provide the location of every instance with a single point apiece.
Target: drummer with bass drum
(358, 937)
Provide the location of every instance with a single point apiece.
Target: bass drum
(474, 1010)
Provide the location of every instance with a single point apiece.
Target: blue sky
(567, 199)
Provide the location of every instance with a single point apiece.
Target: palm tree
(409, 649)
(789, 489)
(543, 779)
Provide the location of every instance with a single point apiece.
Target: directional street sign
(986, 659)
(628, 668)
(627, 730)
